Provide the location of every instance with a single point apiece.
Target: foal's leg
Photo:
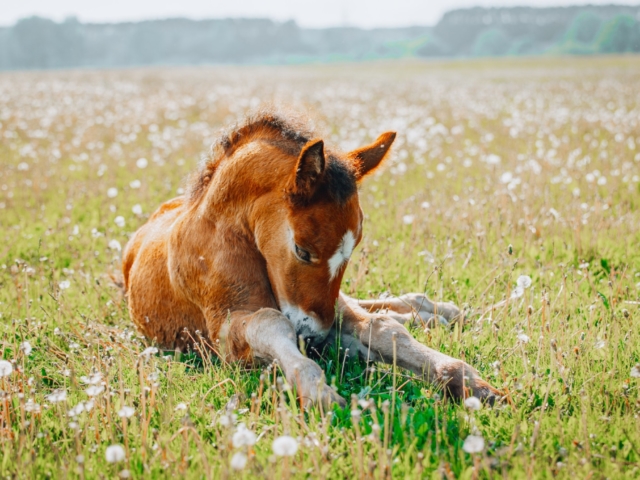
(411, 308)
(371, 335)
(267, 335)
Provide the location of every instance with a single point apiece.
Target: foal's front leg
(411, 308)
(268, 335)
(372, 335)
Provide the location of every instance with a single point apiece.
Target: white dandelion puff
(142, 163)
(115, 245)
(285, 446)
(126, 412)
(147, 352)
(94, 390)
(64, 284)
(57, 396)
(635, 371)
(119, 221)
(115, 453)
(137, 209)
(473, 403)
(243, 437)
(524, 281)
(238, 461)
(408, 219)
(523, 337)
(26, 348)
(112, 192)
(473, 444)
(517, 292)
(135, 184)
(5, 368)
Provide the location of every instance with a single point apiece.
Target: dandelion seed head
(115, 453)
(238, 461)
(112, 192)
(63, 285)
(126, 412)
(119, 221)
(142, 163)
(473, 444)
(285, 446)
(243, 437)
(473, 403)
(5, 368)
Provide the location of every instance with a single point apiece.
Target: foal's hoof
(462, 381)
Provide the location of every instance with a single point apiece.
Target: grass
(501, 169)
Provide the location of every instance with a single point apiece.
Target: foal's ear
(366, 159)
(309, 169)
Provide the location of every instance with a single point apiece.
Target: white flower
(135, 184)
(524, 338)
(119, 221)
(93, 379)
(77, 410)
(137, 209)
(95, 233)
(142, 163)
(506, 177)
(26, 348)
(285, 446)
(524, 281)
(517, 292)
(115, 245)
(238, 461)
(492, 159)
(243, 437)
(57, 396)
(32, 406)
(473, 444)
(147, 352)
(126, 412)
(5, 368)
(635, 371)
(115, 453)
(112, 192)
(408, 219)
(473, 403)
(181, 406)
(94, 390)
(64, 284)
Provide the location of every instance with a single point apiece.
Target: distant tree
(491, 42)
(584, 27)
(617, 35)
(432, 47)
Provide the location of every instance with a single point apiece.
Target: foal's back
(159, 310)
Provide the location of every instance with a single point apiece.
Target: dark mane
(289, 133)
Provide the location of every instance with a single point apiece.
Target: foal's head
(306, 216)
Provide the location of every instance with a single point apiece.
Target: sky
(307, 13)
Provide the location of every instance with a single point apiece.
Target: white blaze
(343, 253)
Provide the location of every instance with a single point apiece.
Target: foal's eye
(303, 254)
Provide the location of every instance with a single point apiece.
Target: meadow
(513, 189)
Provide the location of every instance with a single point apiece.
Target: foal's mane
(288, 132)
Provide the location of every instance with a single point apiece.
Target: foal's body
(252, 259)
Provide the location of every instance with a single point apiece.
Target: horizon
(306, 14)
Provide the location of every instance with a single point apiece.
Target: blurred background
(38, 34)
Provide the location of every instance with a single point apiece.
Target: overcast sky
(309, 13)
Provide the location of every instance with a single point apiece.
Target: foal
(253, 255)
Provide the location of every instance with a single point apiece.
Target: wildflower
(524, 281)
(137, 209)
(93, 379)
(119, 221)
(126, 412)
(112, 192)
(115, 454)
(115, 245)
(32, 406)
(285, 446)
(238, 461)
(94, 390)
(142, 163)
(26, 348)
(243, 437)
(473, 403)
(64, 284)
(408, 219)
(5, 368)
(135, 184)
(473, 444)
(147, 352)
(523, 337)
(57, 396)
(635, 371)
(181, 406)
(517, 292)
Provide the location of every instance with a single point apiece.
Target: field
(501, 170)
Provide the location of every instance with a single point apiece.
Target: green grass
(440, 218)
